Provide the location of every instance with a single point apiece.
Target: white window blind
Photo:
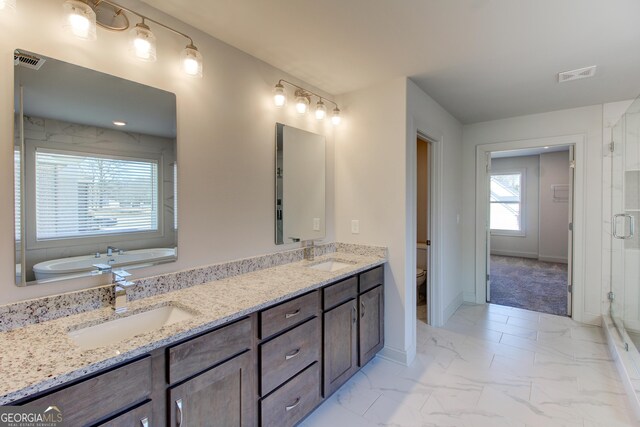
(506, 202)
(83, 195)
(16, 188)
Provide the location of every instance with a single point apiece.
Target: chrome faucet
(121, 303)
(309, 250)
(111, 249)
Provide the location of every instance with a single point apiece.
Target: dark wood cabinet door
(340, 345)
(220, 397)
(371, 323)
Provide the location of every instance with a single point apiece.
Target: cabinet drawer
(103, 395)
(372, 278)
(138, 417)
(345, 290)
(287, 314)
(284, 356)
(207, 350)
(292, 402)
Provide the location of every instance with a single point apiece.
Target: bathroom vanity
(269, 366)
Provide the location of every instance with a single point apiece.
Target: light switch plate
(355, 226)
(316, 224)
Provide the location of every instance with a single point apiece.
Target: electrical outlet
(316, 224)
(355, 226)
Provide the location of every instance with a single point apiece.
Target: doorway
(530, 236)
(423, 228)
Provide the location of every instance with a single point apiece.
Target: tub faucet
(111, 249)
(309, 250)
(121, 302)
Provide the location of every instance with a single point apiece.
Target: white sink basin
(118, 330)
(330, 265)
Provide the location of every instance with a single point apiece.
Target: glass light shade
(142, 43)
(191, 61)
(279, 96)
(321, 110)
(80, 19)
(302, 103)
(335, 117)
(7, 4)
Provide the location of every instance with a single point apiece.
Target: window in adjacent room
(506, 201)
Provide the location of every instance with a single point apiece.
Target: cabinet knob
(144, 422)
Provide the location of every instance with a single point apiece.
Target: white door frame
(435, 305)
(579, 142)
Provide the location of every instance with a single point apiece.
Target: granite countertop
(38, 357)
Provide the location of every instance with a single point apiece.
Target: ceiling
(480, 59)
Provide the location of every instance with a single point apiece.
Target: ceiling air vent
(580, 73)
(27, 60)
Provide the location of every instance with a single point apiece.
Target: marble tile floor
(492, 366)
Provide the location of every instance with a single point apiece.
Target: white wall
(375, 173)
(586, 121)
(527, 245)
(370, 177)
(426, 116)
(554, 215)
(225, 122)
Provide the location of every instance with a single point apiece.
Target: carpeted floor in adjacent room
(529, 284)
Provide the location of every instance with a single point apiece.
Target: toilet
(421, 277)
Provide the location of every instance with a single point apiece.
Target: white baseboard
(561, 260)
(533, 255)
(403, 357)
(451, 308)
(469, 297)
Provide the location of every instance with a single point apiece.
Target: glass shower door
(625, 257)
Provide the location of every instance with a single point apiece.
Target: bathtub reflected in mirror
(95, 171)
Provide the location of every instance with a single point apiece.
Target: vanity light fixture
(7, 4)
(303, 99)
(81, 21)
(142, 42)
(119, 123)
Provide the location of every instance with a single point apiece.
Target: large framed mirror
(95, 171)
(300, 185)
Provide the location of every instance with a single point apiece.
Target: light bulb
(142, 42)
(302, 102)
(7, 4)
(335, 117)
(279, 97)
(191, 61)
(321, 110)
(80, 19)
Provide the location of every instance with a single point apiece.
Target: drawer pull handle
(179, 412)
(290, 407)
(290, 315)
(362, 310)
(355, 313)
(292, 354)
(144, 422)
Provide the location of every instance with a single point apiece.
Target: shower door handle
(632, 226)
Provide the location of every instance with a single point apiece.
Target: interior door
(488, 226)
(572, 168)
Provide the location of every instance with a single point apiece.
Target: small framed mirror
(300, 185)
